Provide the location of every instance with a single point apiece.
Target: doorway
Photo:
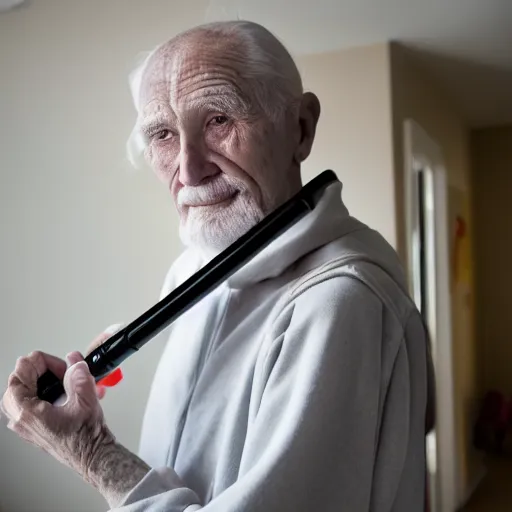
(427, 244)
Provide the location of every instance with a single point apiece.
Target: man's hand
(75, 433)
(72, 433)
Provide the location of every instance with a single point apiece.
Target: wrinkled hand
(72, 433)
(75, 433)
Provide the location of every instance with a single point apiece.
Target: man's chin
(214, 228)
(209, 239)
(216, 231)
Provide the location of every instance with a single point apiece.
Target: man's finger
(8, 407)
(3, 412)
(104, 336)
(28, 369)
(16, 397)
(96, 342)
(74, 357)
(26, 372)
(55, 364)
(80, 386)
(101, 391)
(43, 362)
(22, 383)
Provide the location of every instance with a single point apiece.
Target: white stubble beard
(211, 229)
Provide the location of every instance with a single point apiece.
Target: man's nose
(194, 166)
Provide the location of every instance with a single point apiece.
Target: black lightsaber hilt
(131, 338)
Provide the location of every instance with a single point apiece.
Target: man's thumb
(78, 382)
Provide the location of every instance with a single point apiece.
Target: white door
(427, 238)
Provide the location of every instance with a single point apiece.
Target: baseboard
(468, 493)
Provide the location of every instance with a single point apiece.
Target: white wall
(354, 135)
(85, 241)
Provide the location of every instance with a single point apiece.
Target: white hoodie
(300, 384)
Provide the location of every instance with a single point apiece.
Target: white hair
(269, 66)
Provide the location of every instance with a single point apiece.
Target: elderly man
(301, 383)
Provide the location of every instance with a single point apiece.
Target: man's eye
(218, 120)
(163, 135)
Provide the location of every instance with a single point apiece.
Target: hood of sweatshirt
(329, 222)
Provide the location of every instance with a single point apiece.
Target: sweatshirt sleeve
(314, 437)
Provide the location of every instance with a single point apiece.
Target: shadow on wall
(481, 93)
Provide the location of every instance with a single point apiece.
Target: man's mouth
(214, 201)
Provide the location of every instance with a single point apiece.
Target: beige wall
(492, 185)
(85, 241)
(414, 96)
(355, 131)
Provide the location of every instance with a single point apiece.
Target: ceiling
(466, 45)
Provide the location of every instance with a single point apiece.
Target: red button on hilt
(111, 379)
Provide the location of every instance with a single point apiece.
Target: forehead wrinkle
(197, 79)
(207, 67)
(216, 96)
(212, 63)
(182, 79)
(197, 67)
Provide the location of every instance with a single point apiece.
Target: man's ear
(308, 119)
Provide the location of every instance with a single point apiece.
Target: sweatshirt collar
(327, 222)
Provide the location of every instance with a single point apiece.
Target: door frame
(423, 153)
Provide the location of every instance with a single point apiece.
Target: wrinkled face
(224, 161)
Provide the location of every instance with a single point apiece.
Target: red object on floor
(493, 421)
(111, 379)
